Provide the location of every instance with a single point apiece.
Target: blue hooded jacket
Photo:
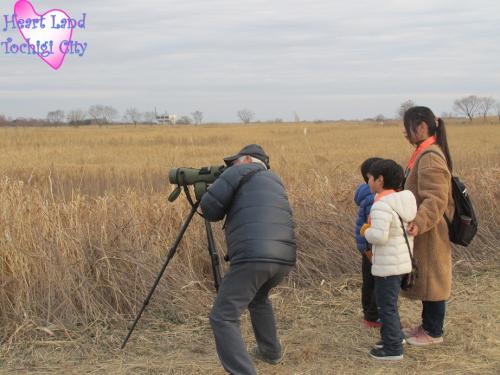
(364, 200)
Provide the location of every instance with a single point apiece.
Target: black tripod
(214, 257)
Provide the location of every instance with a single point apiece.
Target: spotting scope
(200, 178)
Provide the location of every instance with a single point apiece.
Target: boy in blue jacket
(364, 200)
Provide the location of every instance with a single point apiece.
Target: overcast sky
(324, 59)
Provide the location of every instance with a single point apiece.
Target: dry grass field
(85, 224)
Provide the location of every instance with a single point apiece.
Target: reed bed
(85, 223)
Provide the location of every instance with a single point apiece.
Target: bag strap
(242, 182)
(407, 173)
(247, 178)
(406, 239)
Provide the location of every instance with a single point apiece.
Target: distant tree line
(470, 107)
(97, 115)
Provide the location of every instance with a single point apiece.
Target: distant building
(165, 119)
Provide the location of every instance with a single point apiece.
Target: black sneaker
(380, 344)
(380, 354)
(255, 351)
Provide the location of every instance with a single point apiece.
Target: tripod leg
(170, 255)
(214, 257)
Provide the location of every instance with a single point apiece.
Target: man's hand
(364, 228)
(369, 255)
(412, 229)
(200, 188)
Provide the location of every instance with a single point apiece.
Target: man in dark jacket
(261, 252)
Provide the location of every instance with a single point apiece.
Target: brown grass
(84, 225)
(319, 327)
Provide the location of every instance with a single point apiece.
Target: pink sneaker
(370, 324)
(411, 331)
(422, 338)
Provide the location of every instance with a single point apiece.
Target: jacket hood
(404, 203)
(362, 192)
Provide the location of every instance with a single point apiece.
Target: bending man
(261, 252)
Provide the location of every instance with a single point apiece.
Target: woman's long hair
(416, 115)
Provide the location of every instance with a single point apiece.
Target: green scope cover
(191, 176)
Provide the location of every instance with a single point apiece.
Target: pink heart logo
(38, 29)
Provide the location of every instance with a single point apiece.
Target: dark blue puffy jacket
(259, 225)
(364, 199)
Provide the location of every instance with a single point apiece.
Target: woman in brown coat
(428, 177)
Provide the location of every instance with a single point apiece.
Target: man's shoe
(411, 331)
(422, 338)
(255, 351)
(381, 355)
(370, 324)
(380, 344)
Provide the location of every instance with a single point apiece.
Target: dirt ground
(320, 329)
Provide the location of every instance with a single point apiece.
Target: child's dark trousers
(387, 292)
(370, 311)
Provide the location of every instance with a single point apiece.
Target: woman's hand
(412, 229)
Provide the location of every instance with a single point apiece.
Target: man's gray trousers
(246, 285)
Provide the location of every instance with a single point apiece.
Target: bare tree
(51, 117)
(3, 120)
(380, 118)
(497, 107)
(197, 117)
(96, 112)
(55, 117)
(468, 106)
(149, 117)
(486, 104)
(60, 116)
(184, 120)
(109, 113)
(403, 107)
(296, 117)
(133, 115)
(75, 116)
(246, 115)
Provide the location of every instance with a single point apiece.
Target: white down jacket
(390, 252)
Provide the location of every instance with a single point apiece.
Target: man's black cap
(253, 150)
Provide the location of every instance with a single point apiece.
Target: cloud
(329, 58)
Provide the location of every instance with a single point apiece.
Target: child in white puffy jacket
(391, 257)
